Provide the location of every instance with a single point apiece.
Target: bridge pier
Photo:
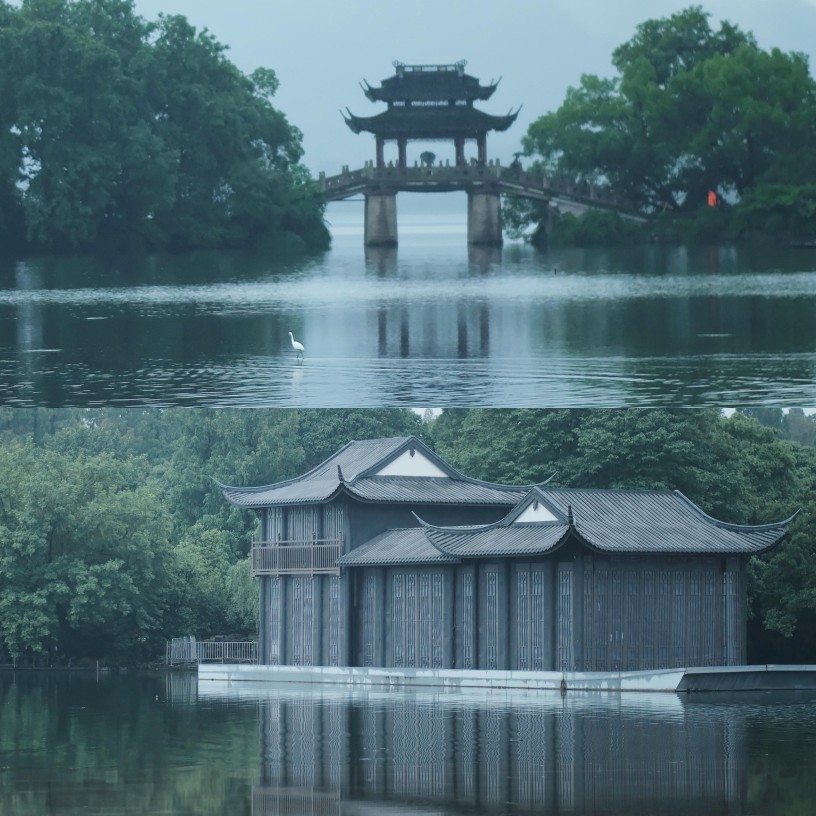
(484, 217)
(380, 219)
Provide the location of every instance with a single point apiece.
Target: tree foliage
(84, 554)
(126, 133)
(692, 109)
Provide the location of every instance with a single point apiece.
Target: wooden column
(380, 153)
(459, 145)
(481, 144)
(402, 145)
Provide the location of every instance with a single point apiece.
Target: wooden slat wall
(274, 528)
(656, 614)
(334, 521)
(419, 609)
(303, 523)
(300, 613)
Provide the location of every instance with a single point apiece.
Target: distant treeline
(704, 133)
(114, 536)
(116, 132)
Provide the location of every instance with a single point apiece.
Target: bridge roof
(433, 122)
(433, 83)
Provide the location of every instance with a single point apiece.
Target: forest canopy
(693, 109)
(123, 133)
(114, 535)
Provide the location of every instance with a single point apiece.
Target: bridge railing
(511, 179)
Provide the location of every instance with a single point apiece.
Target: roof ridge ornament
(570, 519)
(340, 475)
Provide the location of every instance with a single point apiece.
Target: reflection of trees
(579, 754)
(70, 744)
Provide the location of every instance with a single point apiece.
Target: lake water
(156, 744)
(432, 323)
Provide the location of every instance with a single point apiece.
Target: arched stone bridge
(484, 183)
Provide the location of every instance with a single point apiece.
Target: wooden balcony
(300, 557)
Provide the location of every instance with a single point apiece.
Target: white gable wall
(407, 465)
(534, 512)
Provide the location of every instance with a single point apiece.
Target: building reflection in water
(341, 751)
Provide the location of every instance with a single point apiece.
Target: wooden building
(430, 103)
(385, 555)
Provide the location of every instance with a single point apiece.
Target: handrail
(296, 557)
(511, 180)
(188, 649)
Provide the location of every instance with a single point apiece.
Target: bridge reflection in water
(405, 332)
(328, 751)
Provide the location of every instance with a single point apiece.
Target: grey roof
(612, 521)
(357, 461)
(430, 123)
(407, 546)
(521, 539)
(615, 521)
(434, 490)
(428, 82)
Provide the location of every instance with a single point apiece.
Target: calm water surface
(155, 744)
(432, 323)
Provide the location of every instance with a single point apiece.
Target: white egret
(297, 346)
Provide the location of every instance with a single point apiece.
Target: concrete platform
(716, 678)
(767, 677)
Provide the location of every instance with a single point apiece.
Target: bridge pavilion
(385, 555)
(431, 103)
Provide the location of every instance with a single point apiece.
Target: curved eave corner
(740, 528)
(228, 491)
(351, 120)
(506, 121)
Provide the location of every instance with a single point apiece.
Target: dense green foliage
(114, 534)
(692, 109)
(118, 132)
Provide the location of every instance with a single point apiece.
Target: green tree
(692, 109)
(84, 547)
(130, 133)
(516, 446)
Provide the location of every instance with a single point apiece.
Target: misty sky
(322, 49)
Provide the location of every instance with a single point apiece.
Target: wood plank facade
(530, 578)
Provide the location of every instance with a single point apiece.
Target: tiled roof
(614, 521)
(658, 521)
(322, 481)
(429, 122)
(440, 85)
(408, 546)
(356, 461)
(521, 539)
(434, 491)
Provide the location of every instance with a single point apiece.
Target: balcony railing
(299, 557)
